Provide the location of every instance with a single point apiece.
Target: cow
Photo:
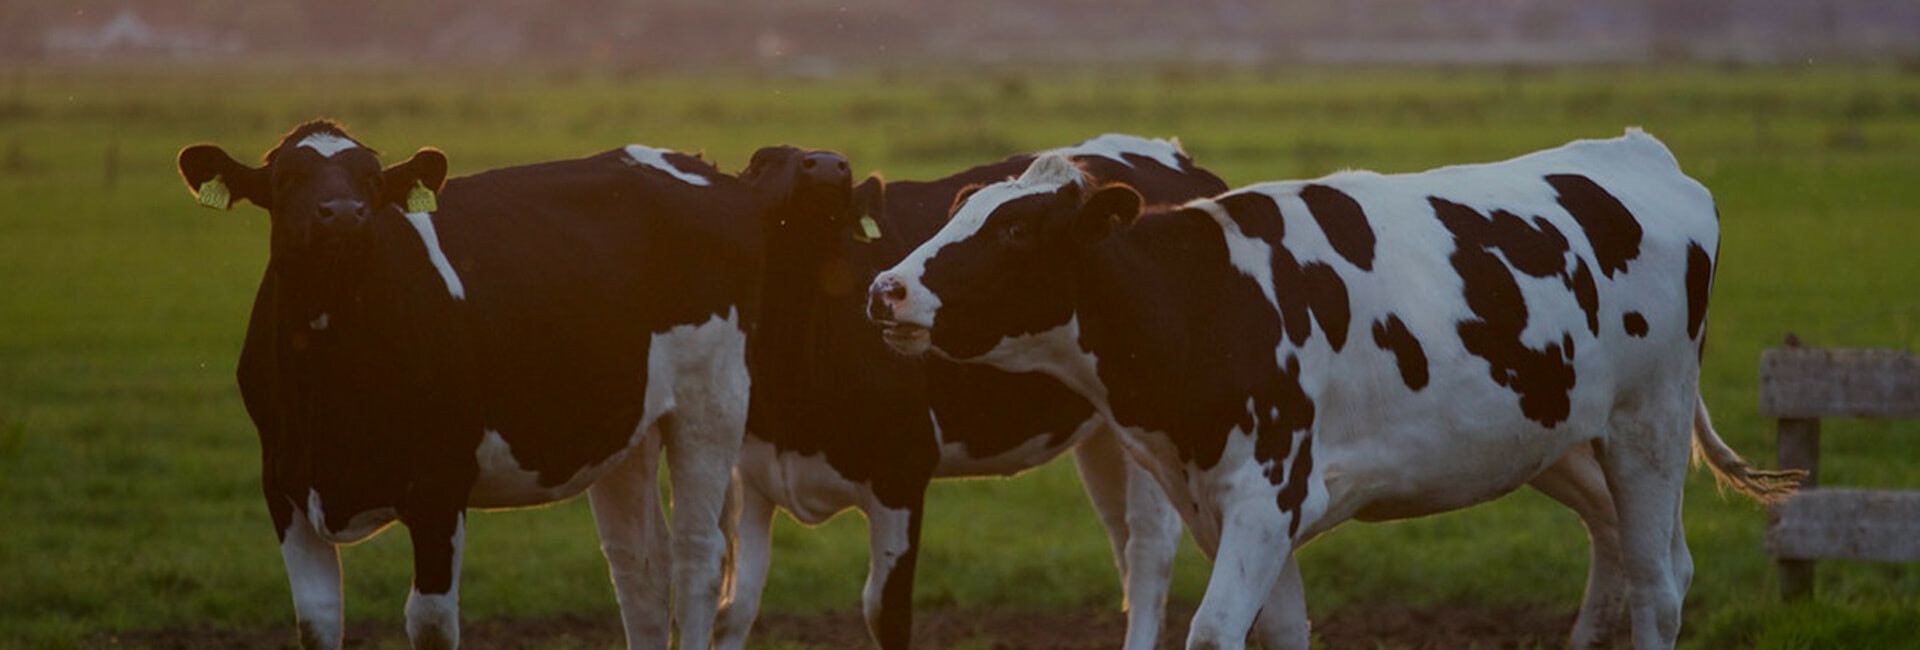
(1292, 355)
(530, 333)
(838, 420)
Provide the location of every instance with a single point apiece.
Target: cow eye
(1017, 233)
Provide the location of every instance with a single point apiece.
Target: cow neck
(804, 264)
(1147, 303)
(335, 295)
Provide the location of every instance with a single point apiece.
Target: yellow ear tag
(869, 230)
(214, 194)
(420, 199)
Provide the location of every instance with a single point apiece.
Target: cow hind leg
(752, 556)
(893, 553)
(701, 451)
(433, 608)
(633, 537)
(313, 573)
(1577, 482)
(1645, 462)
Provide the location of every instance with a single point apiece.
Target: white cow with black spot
(1292, 355)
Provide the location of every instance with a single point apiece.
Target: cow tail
(1765, 486)
(730, 531)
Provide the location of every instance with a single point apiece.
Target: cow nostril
(896, 292)
(808, 163)
(842, 166)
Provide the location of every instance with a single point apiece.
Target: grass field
(129, 473)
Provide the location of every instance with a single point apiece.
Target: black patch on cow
(1306, 292)
(1584, 291)
(1344, 223)
(1699, 283)
(1611, 228)
(1392, 335)
(1635, 324)
(1298, 477)
(1542, 378)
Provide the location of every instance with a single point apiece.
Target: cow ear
(216, 179)
(964, 194)
(868, 207)
(426, 170)
(1114, 204)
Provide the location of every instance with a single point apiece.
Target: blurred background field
(129, 473)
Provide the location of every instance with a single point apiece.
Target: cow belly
(1043, 447)
(1430, 471)
(807, 486)
(503, 483)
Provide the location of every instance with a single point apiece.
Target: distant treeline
(818, 35)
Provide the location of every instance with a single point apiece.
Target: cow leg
(753, 546)
(313, 572)
(1645, 461)
(1282, 623)
(1577, 482)
(633, 537)
(700, 455)
(1253, 549)
(1142, 527)
(893, 551)
(433, 609)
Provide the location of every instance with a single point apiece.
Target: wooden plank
(1836, 382)
(1846, 524)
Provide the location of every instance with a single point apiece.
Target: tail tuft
(1768, 486)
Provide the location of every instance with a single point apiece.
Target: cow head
(801, 186)
(320, 186)
(1004, 266)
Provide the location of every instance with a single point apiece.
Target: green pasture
(129, 495)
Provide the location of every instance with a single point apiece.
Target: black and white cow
(546, 331)
(1292, 355)
(838, 420)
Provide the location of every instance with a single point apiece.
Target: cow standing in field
(1292, 355)
(548, 329)
(838, 420)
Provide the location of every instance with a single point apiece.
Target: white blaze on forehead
(1047, 174)
(423, 224)
(328, 143)
(1115, 145)
(657, 159)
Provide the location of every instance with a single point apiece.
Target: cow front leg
(753, 548)
(433, 608)
(1142, 526)
(1253, 549)
(633, 537)
(1282, 623)
(893, 552)
(313, 573)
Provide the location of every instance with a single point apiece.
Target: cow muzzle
(887, 300)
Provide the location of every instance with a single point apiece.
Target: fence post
(1799, 449)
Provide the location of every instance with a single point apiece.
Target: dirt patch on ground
(1369, 628)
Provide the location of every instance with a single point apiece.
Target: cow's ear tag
(869, 231)
(420, 199)
(214, 194)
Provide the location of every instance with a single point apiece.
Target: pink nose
(884, 297)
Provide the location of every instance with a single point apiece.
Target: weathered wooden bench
(1798, 386)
